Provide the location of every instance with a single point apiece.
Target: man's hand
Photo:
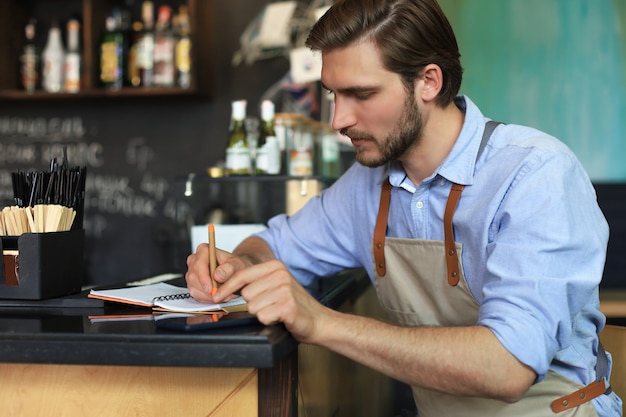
(198, 276)
(274, 295)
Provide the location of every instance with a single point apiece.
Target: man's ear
(432, 82)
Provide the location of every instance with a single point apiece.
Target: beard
(405, 135)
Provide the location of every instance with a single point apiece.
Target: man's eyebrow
(351, 90)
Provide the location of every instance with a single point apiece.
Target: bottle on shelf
(164, 44)
(300, 153)
(237, 150)
(29, 60)
(72, 67)
(285, 125)
(112, 55)
(53, 57)
(182, 52)
(267, 161)
(145, 51)
(328, 152)
(132, 74)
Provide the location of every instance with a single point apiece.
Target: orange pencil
(212, 257)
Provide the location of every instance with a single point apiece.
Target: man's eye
(363, 96)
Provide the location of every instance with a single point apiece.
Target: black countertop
(77, 330)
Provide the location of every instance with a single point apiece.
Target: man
(485, 242)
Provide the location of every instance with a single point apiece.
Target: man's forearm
(467, 361)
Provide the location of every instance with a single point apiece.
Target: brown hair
(409, 34)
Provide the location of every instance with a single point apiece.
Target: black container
(48, 265)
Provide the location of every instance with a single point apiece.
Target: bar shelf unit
(14, 15)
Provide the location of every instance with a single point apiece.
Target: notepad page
(141, 295)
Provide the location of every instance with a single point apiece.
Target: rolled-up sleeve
(544, 260)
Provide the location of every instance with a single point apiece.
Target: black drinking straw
(62, 184)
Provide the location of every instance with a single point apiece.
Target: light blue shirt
(534, 239)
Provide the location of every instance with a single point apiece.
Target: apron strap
(380, 230)
(602, 366)
(588, 393)
(452, 257)
(595, 389)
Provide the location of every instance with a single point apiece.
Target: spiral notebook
(165, 297)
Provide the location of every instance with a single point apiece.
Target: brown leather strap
(588, 393)
(452, 258)
(380, 230)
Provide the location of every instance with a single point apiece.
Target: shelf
(96, 93)
(197, 178)
(14, 15)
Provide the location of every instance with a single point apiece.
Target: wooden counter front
(125, 391)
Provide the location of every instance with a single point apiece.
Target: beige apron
(412, 287)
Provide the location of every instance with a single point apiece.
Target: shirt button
(442, 183)
(419, 204)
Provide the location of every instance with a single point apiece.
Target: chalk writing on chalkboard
(114, 186)
(41, 128)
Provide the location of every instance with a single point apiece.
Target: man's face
(372, 106)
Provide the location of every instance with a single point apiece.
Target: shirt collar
(458, 166)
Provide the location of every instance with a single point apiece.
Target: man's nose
(343, 116)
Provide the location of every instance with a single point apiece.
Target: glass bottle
(329, 155)
(29, 61)
(284, 129)
(52, 59)
(237, 150)
(267, 151)
(112, 56)
(145, 53)
(301, 150)
(132, 74)
(183, 48)
(72, 58)
(164, 43)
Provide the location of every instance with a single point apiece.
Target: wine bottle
(237, 150)
(112, 55)
(72, 65)
(267, 150)
(29, 61)
(53, 58)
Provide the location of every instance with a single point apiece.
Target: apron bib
(421, 283)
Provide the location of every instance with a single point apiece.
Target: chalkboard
(129, 205)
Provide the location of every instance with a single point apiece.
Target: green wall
(558, 65)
